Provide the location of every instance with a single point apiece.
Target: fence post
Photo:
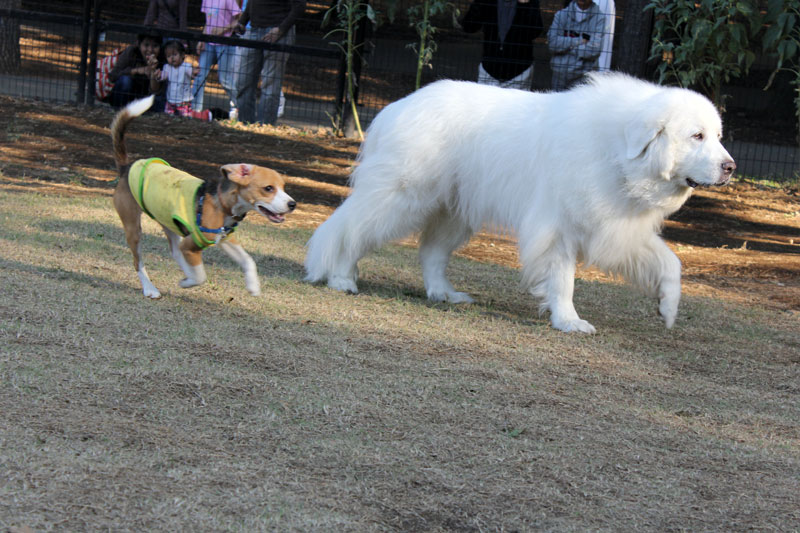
(83, 89)
(94, 40)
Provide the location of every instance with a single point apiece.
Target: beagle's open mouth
(272, 216)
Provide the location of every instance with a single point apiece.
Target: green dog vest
(168, 196)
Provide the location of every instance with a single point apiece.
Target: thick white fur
(584, 175)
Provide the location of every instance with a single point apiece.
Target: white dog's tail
(322, 247)
(368, 218)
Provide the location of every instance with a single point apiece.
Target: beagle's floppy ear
(239, 173)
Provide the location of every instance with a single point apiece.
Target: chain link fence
(49, 48)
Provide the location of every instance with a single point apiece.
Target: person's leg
(235, 73)
(207, 59)
(250, 61)
(271, 81)
(122, 92)
(160, 101)
(226, 63)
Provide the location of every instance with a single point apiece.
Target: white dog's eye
(699, 136)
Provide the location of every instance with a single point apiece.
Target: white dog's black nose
(292, 205)
(728, 167)
(727, 172)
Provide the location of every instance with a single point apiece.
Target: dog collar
(221, 232)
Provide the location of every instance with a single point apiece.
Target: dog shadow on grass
(105, 242)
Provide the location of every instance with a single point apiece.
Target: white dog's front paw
(453, 297)
(575, 324)
(343, 284)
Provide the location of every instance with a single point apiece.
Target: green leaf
(771, 37)
(791, 49)
(327, 18)
(737, 33)
(774, 8)
(750, 59)
(783, 21)
(745, 8)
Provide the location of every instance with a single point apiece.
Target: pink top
(219, 14)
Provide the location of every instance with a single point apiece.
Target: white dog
(584, 175)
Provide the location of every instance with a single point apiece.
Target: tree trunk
(637, 31)
(9, 38)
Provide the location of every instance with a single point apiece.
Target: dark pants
(129, 88)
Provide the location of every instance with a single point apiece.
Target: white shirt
(179, 89)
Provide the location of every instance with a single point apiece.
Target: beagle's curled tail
(120, 124)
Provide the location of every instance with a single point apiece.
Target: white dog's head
(677, 137)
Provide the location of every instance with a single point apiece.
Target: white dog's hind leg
(440, 238)
(248, 266)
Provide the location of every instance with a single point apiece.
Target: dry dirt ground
(741, 242)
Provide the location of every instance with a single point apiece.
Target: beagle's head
(261, 189)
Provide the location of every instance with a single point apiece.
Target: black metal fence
(60, 41)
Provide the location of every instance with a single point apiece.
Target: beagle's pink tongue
(273, 217)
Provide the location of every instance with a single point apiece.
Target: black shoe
(218, 113)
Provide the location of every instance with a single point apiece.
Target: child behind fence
(179, 73)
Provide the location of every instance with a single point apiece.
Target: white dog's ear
(639, 134)
(647, 141)
(239, 173)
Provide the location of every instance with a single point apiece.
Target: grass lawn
(309, 410)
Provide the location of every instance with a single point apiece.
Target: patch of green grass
(772, 183)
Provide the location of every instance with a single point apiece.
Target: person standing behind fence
(271, 21)
(167, 14)
(575, 40)
(221, 19)
(135, 74)
(509, 29)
